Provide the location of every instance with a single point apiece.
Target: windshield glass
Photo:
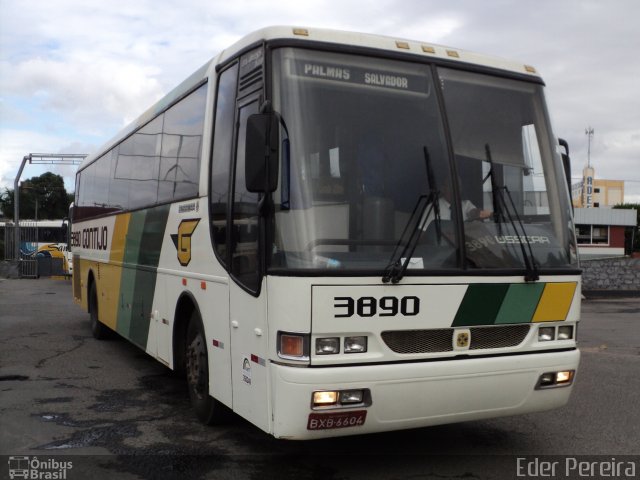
(512, 187)
(365, 165)
(362, 134)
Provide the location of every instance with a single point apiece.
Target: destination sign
(361, 76)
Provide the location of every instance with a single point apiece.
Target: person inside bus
(469, 211)
(445, 202)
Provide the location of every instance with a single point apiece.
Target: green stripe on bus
(137, 285)
(128, 276)
(520, 303)
(145, 285)
(480, 304)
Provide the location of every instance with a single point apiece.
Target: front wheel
(208, 410)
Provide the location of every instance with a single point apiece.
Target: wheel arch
(185, 307)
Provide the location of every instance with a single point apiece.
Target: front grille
(419, 341)
(500, 336)
(441, 339)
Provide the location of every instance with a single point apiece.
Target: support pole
(16, 206)
(39, 159)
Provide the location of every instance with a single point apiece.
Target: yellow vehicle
(56, 250)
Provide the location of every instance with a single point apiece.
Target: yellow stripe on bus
(111, 273)
(119, 238)
(555, 302)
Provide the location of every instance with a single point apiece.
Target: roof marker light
(453, 53)
(530, 69)
(428, 49)
(403, 45)
(301, 31)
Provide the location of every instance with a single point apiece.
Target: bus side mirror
(566, 162)
(262, 153)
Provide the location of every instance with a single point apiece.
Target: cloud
(87, 92)
(13, 150)
(83, 69)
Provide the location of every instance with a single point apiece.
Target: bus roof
(377, 42)
(317, 35)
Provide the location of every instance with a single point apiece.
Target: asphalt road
(116, 413)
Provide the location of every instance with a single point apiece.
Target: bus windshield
(367, 163)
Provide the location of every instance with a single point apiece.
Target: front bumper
(411, 395)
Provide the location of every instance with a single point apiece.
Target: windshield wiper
(495, 195)
(500, 208)
(396, 268)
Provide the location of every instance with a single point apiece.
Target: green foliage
(46, 191)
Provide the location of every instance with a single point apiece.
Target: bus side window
(221, 160)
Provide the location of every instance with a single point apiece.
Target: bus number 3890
(370, 306)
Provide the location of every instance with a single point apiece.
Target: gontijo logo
(182, 240)
(94, 238)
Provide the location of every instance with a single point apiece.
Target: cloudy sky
(73, 73)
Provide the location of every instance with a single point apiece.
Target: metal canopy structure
(37, 159)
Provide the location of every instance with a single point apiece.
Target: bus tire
(208, 410)
(98, 330)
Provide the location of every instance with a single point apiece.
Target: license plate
(326, 421)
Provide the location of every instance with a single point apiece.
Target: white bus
(335, 233)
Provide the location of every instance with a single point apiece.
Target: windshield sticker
(361, 76)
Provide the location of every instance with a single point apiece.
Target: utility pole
(589, 133)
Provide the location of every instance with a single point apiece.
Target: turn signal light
(294, 346)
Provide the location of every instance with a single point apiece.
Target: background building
(596, 193)
(600, 231)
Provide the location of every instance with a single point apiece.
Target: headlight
(355, 344)
(546, 334)
(327, 346)
(565, 332)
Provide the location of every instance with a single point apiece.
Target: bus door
(247, 302)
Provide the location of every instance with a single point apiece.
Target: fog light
(546, 334)
(355, 344)
(565, 333)
(322, 399)
(564, 377)
(547, 379)
(351, 396)
(327, 346)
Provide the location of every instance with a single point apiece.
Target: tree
(46, 190)
(632, 234)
